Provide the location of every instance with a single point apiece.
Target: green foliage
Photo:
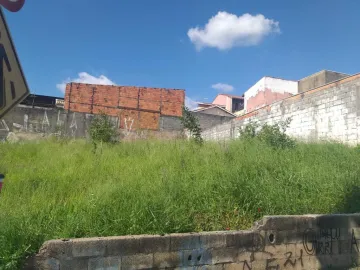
(191, 123)
(248, 131)
(273, 135)
(102, 130)
(54, 190)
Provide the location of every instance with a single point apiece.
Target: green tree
(102, 130)
(191, 123)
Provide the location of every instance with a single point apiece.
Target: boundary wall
(276, 242)
(329, 112)
(142, 106)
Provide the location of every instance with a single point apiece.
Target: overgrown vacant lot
(62, 190)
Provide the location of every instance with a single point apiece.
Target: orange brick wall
(136, 107)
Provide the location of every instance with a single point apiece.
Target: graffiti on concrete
(45, 122)
(128, 125)
(3, 126)
(321, 242)
(73, 125)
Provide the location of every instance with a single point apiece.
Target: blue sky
(172, 43)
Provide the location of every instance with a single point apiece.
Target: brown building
(136, 107)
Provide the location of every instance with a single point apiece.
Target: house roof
(204, 103)
(40, 100)
(231, 96)
(213, 106)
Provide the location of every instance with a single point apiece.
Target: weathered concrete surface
(329, 112)
(210, 120)
(45, 121)
(319, 79)
(28, 122)
(276, 242)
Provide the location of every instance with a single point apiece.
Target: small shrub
(273, 135)
(249, 131)
(102, 130)
(191, 123)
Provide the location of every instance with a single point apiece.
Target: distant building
(269, 90)
(202, 105)
(215, 110)
(319, 79)
(43, 101)
(230, 103)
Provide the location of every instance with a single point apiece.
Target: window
(237, 104)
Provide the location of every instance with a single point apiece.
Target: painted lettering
(271, 267)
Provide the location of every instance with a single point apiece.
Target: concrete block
(74, 263)
(337, 262)
(237, 266)
(88, 247)
(240, 239)
(224, 255)
(270, 263)
(107, 263)
(120, 246)
(47, 264)
(53, 248)
(139, 261)
(196, 257)
(280, 223)
(185, 241)
(346, 99)
(273, 251)
(346, 246)
(152, 244)
(338, 221)
(244, 256)
(213, 239)
(210, 267)
(168, 259)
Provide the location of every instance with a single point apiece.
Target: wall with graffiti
(274, 243)
(27, 120)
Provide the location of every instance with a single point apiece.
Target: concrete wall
(141, 106)
(28, 122)
(209, 120)
(330, 112)
(267, 91)
(319, 79)
(276, 242)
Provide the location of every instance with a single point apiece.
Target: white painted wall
(281, 86)
(253, 90)
(276, 85)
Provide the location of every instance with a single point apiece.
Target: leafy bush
(273, 135)
(191, 123)
(102, 130)
(248, 131)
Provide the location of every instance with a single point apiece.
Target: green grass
(64, 190)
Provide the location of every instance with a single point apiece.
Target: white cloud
(226, 30)
(191, 104)
(223, 87)
(85, 77)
